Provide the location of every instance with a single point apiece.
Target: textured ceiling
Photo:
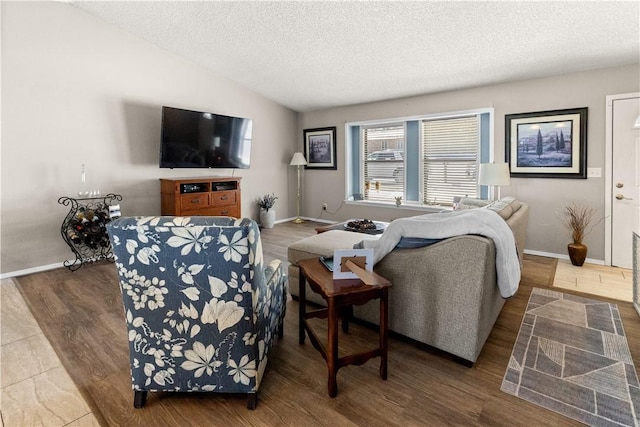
(310, 55)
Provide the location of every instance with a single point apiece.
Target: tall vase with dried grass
(579, 220)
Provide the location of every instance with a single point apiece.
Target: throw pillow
(505, 207)
(471, 203)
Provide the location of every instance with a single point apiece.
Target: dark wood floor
(81, 314)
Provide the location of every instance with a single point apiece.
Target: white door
(625, 178)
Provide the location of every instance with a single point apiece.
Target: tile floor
(37, 391)
(610, 282)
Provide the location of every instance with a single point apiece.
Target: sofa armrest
(444, 295)
(518, 222)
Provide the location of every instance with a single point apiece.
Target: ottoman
(322, 244)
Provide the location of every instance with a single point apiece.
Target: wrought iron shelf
(84, 228)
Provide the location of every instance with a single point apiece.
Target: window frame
(485, 155)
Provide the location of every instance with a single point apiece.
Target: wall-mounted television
(196, 139)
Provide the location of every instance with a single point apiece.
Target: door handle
(621, 197)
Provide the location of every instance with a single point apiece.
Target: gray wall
(545, 196)
(76, 90)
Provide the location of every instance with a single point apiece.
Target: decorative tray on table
(365, 226)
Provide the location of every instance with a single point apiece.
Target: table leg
(332, 348)
(384, 342)
(302, 299)
(347, 314)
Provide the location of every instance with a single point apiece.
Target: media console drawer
(193, 201)
(225, 211)
(203, 196)
(219, 198)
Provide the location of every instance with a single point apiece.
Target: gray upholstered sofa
(444, 295)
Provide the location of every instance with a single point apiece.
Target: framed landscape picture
(547, 144)
(320, 148)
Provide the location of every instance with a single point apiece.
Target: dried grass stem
(578, 219)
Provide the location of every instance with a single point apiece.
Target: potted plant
(267, 212)
(578, 219)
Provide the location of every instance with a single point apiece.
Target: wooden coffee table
(340, 296)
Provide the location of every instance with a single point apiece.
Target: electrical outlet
(324, 206)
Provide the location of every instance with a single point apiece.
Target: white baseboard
(31, 270)
(280, 221)
(42, 268)
(562, 256)
(59, 265)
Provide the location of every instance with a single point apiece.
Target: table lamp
(494, 174)
(297, 161)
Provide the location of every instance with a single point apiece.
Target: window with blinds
(383, 162)
(450, 150)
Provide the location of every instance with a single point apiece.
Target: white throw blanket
(482, 222)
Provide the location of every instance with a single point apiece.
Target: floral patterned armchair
(201, 309)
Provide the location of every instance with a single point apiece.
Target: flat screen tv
(195, 139)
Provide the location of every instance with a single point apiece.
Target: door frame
(608, 177)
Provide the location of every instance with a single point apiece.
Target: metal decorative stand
(636, 271)
(84, 228)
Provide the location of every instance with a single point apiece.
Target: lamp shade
(494, 174)
(298, 159)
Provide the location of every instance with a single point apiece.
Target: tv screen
(194, 139)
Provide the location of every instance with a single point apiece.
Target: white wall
(545, 196)
(76, 90)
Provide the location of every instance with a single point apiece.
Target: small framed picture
(547, 144)
(361, 257)
(320, 148)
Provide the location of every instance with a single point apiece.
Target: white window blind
(450, 150)
(383, 162)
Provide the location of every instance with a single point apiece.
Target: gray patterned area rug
(571, 356)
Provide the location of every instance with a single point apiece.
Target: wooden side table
(340, 296)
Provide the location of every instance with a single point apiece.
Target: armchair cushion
(201, 309)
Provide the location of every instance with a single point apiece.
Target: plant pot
(267, 218)
(577, 253)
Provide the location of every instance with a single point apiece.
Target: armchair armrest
(274, 293)
(274, 273)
